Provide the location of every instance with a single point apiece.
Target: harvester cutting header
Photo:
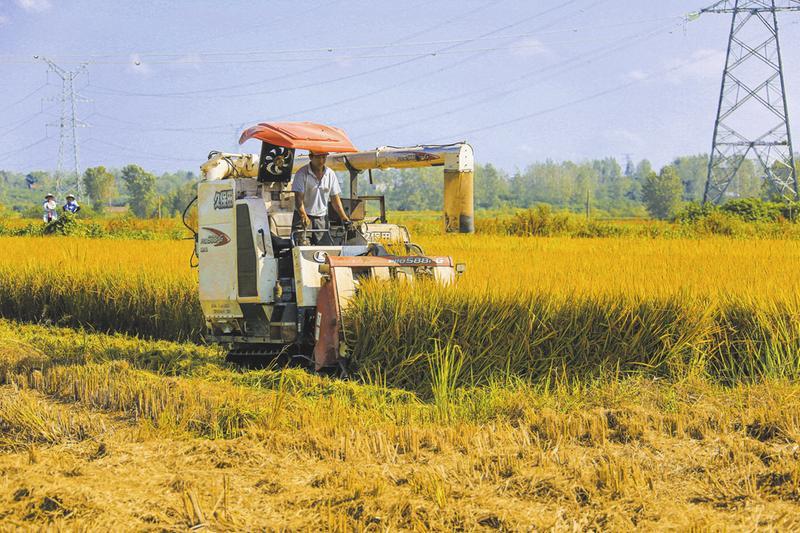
(273, 285)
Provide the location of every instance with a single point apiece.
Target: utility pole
(68, 124)
(752, 115)
(588, 204)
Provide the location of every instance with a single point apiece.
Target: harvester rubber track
(254, 357)
(251, 357)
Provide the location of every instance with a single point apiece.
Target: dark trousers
(317, 238)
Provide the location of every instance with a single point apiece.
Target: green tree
(662, 192)
(549, 182)
(693, 172)
(177, 201)
(169, 182)
(611, 184)
(100, 186)
(141, 187)
(642, 170)
(491, 187)
(409, 189)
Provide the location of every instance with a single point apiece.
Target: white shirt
(316, 193)
(50, 207)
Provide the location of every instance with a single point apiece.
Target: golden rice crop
(139, 287)
(763, 270)
(760, 269)
(402, 335)
(538, 307)
(527, 306)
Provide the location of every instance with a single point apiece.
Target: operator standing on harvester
(315, 185)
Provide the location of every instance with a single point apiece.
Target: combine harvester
(265, 293)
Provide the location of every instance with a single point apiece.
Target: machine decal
(320, 256)
(418, 156)
(217, 237)
(377, 235)
(390, 261)
(417, 260)
(223, 199)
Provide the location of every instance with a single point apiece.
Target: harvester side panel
(216, 249)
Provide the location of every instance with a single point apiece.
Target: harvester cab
(264, 291)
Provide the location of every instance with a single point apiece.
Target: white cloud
(192, 61)
(637, 75)
(703, 65)
(526, 148)
(137, 66)
(529, 47)
(36, 6)
(623, 140)
(343, 61)
(3, 20)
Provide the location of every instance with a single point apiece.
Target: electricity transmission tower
(629, 168)
(752, 117)
(68, 125)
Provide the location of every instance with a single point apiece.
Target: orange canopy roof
(301, 135)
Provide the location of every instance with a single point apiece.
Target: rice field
(581, 384)
(527, 307)
(717, 267)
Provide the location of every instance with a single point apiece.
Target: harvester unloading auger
(264, 292)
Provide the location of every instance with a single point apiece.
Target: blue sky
(168, 81)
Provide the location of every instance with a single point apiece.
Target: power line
(401, 83)
(142, 153)
(416, 78)
(627, 42)
(314, 68)
(430, 53)
(191, 57)
(564, 105)
(442, 69)
(148, 127)
(260, 27)
(396, 84)
(6, 155)
(238, 124)
(38, 162)
(20, 123)
(9, 106)
(196, 93)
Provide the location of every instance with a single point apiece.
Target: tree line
(603, 186)
(143, 193)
